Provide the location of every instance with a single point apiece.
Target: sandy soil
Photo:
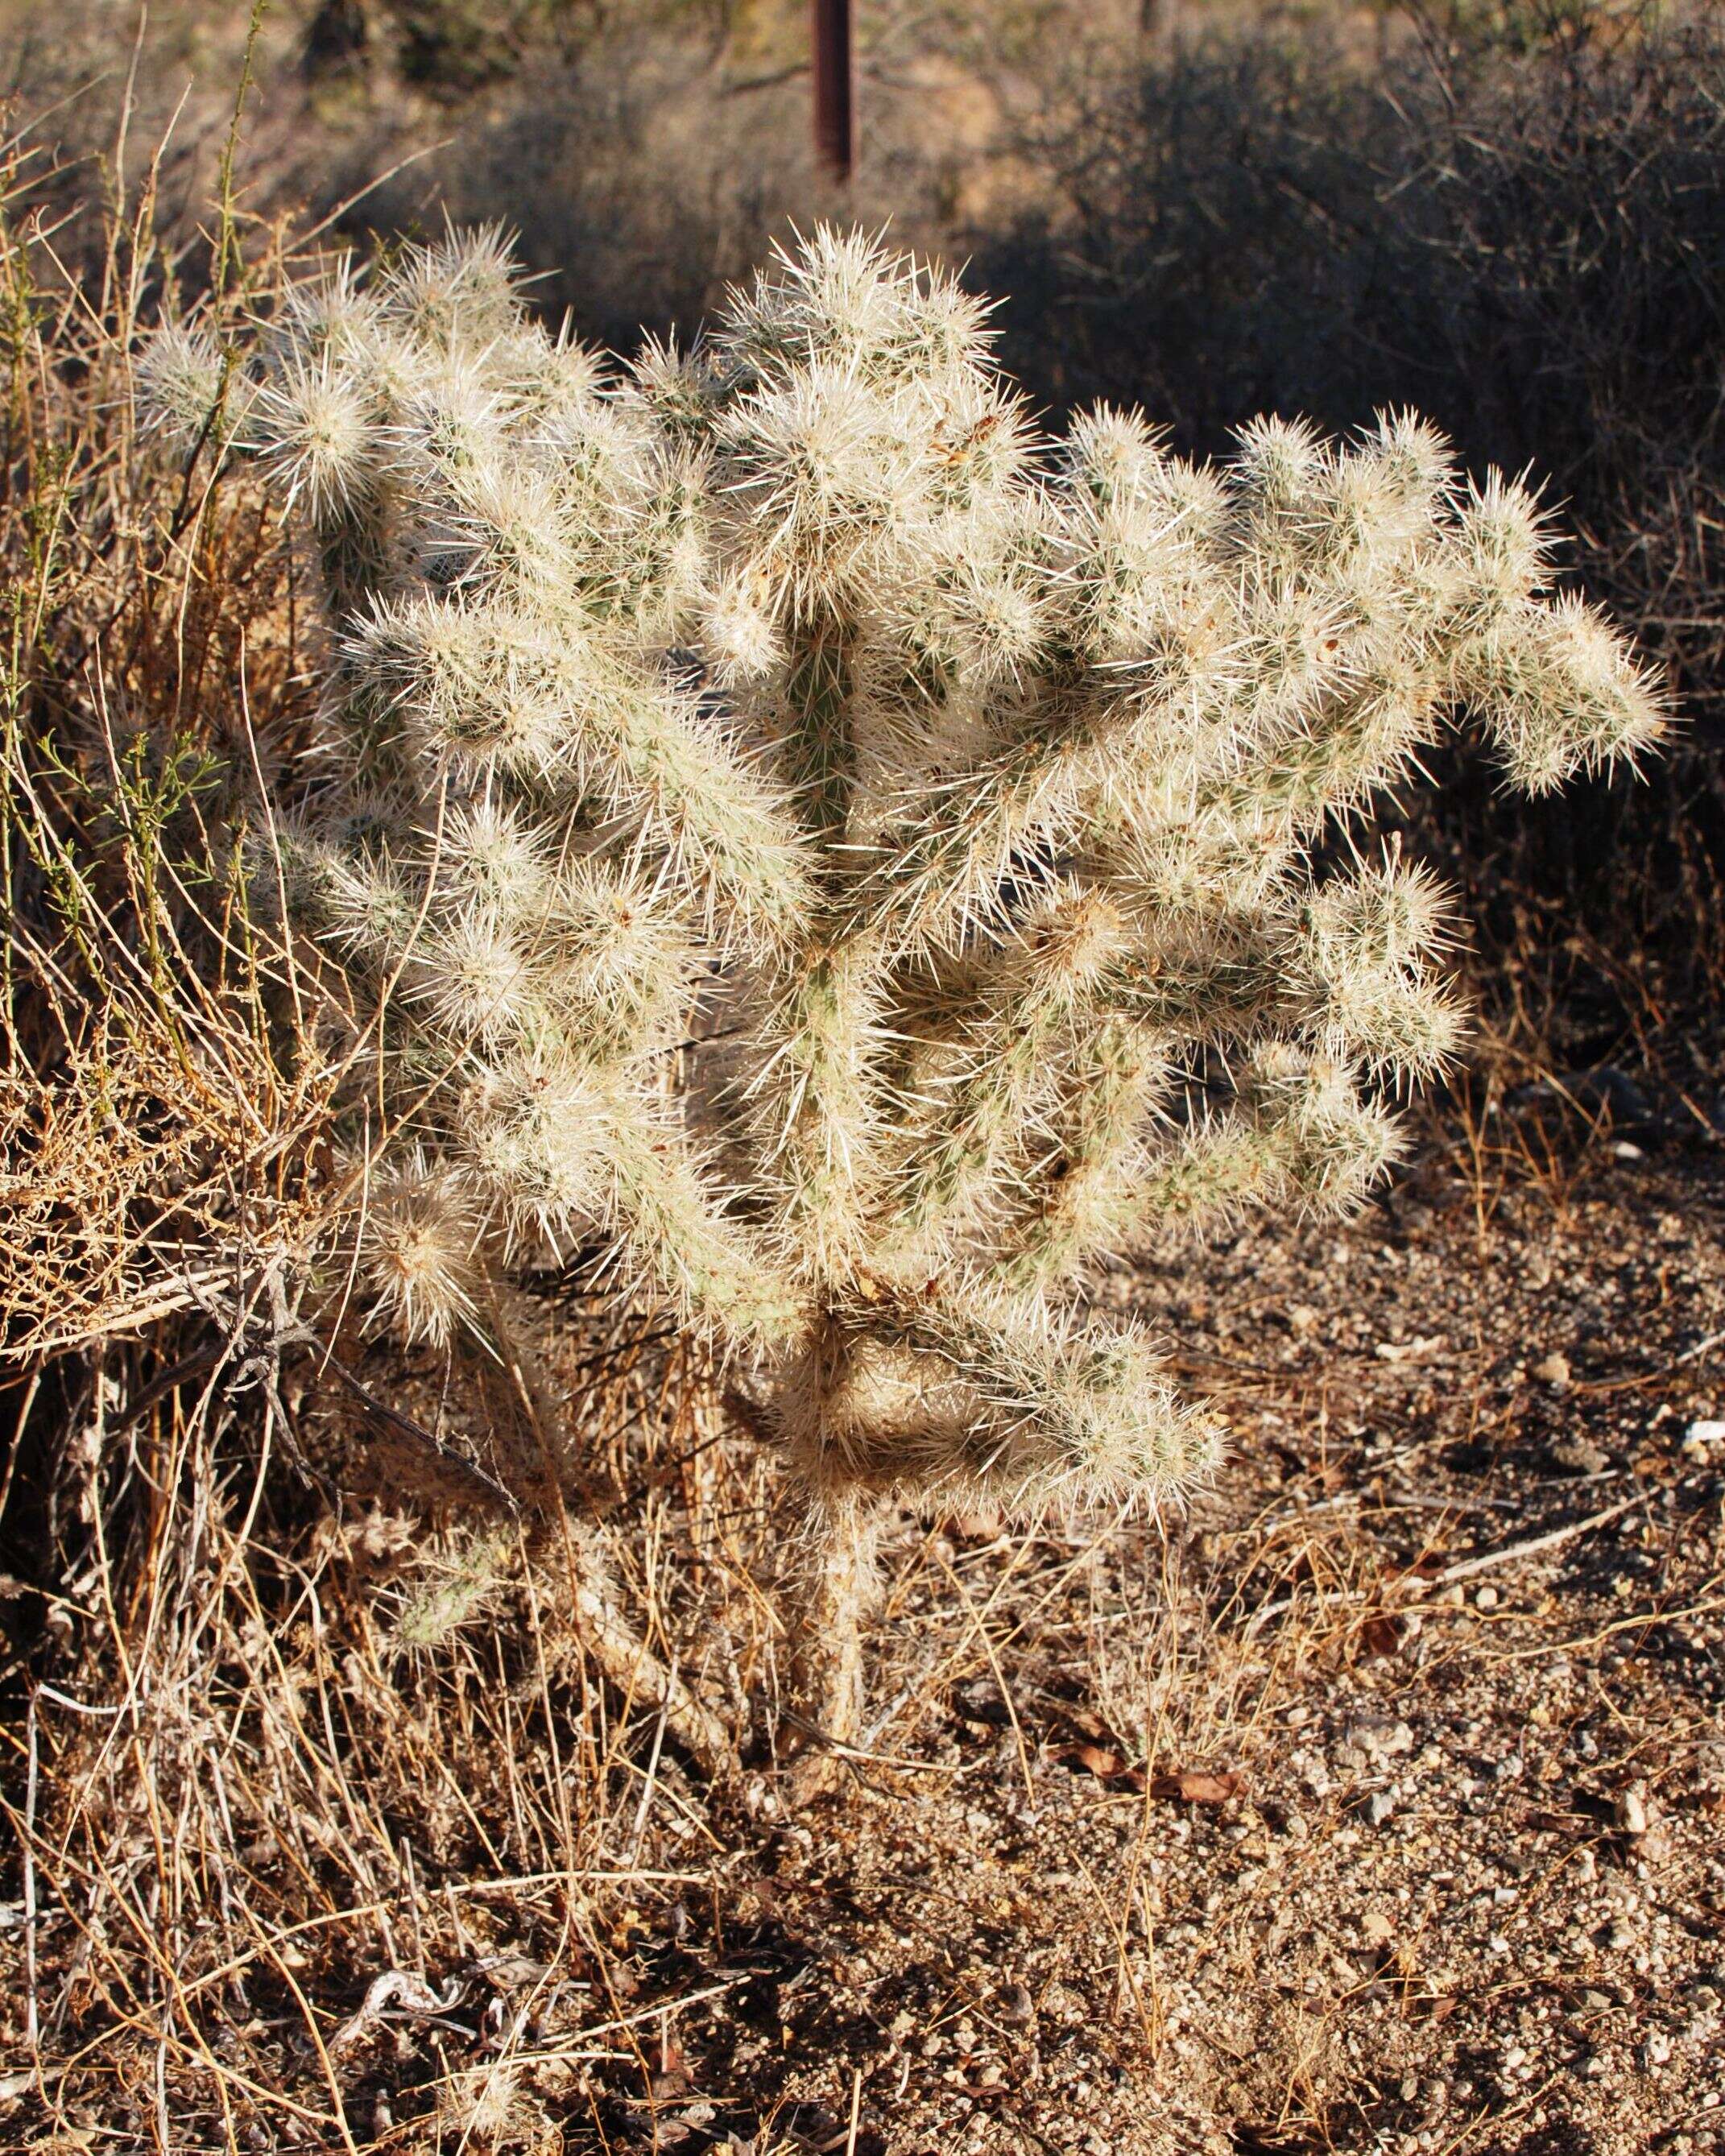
(1380, 1805)
(1431, 1850)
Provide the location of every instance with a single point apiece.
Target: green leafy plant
(777, 815)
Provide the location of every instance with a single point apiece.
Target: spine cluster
(776, 813)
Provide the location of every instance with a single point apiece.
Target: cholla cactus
(776, 812)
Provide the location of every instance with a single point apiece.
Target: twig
(392, 1420)
(1596, 1386)
(32, 2022)
(855, 2110)
(651, 1782)
(841, 1751)
(1469, 1567)
(665, 2006)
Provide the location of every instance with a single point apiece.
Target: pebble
(1580, 1455)
(1380, 1807)
(1701, 1437)
(1379, 1736)
(1631, 1810)
(1486, 1598)
(1554, 1370)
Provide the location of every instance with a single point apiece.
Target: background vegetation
(1507, 215)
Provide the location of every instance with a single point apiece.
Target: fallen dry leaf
(1094, 1759)
(1088, 1724)
(1190, 1787)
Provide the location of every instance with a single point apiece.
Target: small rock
(1631, 1810)
(1554, 1370)
(1377, 1930)
(1379, 1809)
(1623, 1150)
(1596, 2002)
(1704, 1443)
(1485, 1598)
(1377, 1735)
(1580, 1455)
(1620, 1939)
(1409, 1350)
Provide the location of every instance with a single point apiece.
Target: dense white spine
(777, 819)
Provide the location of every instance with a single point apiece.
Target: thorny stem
(838, 1588)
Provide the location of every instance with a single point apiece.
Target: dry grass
(313, 1655)
(302, 1748)
(1276, 1834)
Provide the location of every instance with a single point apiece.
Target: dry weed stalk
(169, 1105)
(242, 1694)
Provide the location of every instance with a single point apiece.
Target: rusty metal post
(835, 98)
